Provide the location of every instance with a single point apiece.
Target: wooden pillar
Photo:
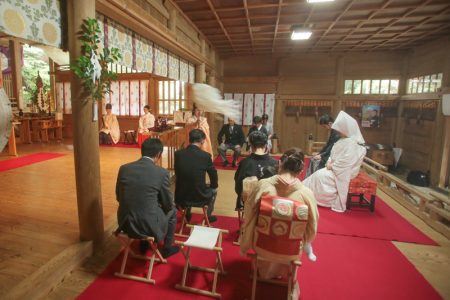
(339, 86)
(85, 135)
(53, 86)
(444, 172)
(200, 73)
(15, 49)
(212, 78)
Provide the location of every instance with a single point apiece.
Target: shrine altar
(173, 139)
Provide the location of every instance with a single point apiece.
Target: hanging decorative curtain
(38, 21)
(160, 61)
(144, 55)
(121, 38)
(174, 67)
(184, 70)
(253, 105)
(191, 73)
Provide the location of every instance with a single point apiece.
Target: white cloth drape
(330, 185)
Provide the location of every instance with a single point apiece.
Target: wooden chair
(126, 244)
(203, 238)
(360, 186)
(184, 221)
(278, 238)
(248, 185)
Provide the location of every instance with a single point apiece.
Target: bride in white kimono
(330, 184)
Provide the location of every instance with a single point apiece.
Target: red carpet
(347, 268)
(218, 162)
(384, 224)
(26, 160)
(121, 145)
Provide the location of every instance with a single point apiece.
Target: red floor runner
(26, 160)
(347, 268)
(384, 224)
(121, 145)
(218, 162)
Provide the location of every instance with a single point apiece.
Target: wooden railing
(433, 208)
(315, 146)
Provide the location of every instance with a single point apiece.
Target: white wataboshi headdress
(208, 98)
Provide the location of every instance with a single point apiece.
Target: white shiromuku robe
(145, 122)
(330, 185)
(111, 127)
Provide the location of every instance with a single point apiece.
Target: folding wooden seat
(278, 238)
(203, 238)
(359, 187)
(248, 184)
(126, 242)
(184, 221)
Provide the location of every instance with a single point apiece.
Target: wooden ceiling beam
(347, 7)
(425, 21)
(280, 3)
(211, 6)
(440, 28)
(385, 4)
(248, 22)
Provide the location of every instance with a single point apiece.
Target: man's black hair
(326, 119)
(258, 139)
(151, 147)
(108, 106)
(196, 136)
(257, 119)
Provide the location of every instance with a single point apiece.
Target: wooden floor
(38, 219)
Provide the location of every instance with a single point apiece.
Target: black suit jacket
(191, 166)
(326, 150)
(236, 137)
(262, 129)
(143, 192)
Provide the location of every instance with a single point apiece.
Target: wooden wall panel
(373, 65)
(251, 66)
(429, 58)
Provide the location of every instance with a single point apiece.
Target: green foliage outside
(35, 61)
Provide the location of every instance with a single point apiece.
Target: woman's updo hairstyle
(292, 161)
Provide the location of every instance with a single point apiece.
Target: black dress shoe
(212, 219)
(225, 163)
(143, 246)
(188, 215)
(169, 251)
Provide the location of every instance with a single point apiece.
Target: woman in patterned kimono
(330, 184)
(110, 131)
(285, 184)
(201, 123)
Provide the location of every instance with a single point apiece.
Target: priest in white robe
(110, 127)
(330, 185)
(146, 121)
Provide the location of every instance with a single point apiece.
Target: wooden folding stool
(156, 256)
(184, 221)
(204, 238)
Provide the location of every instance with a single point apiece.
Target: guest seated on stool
(234, 139)
(285, 184)
(145, 202)
(191, 166)
(254, 164)
(146, 121)
(110, 132)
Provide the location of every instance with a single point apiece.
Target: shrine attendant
(201, 123)
(146, 121)
(110, 132)
(330, 185)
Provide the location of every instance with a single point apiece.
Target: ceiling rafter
(280, 3)
(372, 14)
(211, 6)
(349, 5)
(248, 23)
(447, 10)
(263, 26)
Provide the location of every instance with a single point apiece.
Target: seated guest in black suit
(145, 202)
(258, 126)
(254, 165)
(234, 139)
(191, 166)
